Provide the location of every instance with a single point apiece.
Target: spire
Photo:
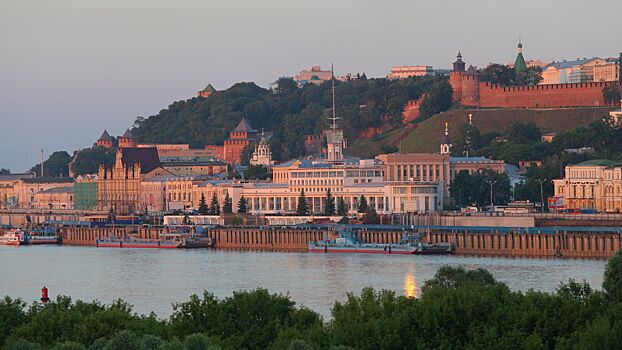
(244, 126)
(334, 118)
(519, 65)
(446, 146)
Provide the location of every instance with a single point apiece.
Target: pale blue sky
(70, 68)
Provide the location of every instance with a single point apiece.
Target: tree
(498, 74)
(232, 173)
(227, 207)
(612, 281)
(437, 100)
(203, 209)
(362, 208)
(371, 216)
(57, 165)
(342, 210)
(524, 133)
(4, 171)
(256, 172)
(242, 205)
(611, 95)
(302, 208)
(214, 208)
(473, 189)
(329, 204)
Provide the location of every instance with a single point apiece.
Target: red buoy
(44, 295)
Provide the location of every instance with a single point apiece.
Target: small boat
(13, 237)
(114, 242)
(433, 248)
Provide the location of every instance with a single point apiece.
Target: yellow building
(119, 184)
(593, 185)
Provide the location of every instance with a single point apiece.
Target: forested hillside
(289, 111)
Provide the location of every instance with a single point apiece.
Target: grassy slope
(429, 134)
(368, 148)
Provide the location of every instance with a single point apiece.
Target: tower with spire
(520, 67)
(334, 136)
(468, 138)
(262, 154)
(446, 145)
(128, 140)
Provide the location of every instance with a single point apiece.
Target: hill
(428, 134)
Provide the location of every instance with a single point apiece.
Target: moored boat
(114, 242)
(12, 237)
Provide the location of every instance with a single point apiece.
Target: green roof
(598, 162)
(519, 64)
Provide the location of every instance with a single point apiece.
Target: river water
(152, 279)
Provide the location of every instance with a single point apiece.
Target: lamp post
(541, 181)
(491, 183)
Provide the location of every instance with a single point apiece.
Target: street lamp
(491, 183)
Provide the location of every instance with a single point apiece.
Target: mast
(334, 118)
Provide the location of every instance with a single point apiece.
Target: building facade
(591, 185)
(403, 72)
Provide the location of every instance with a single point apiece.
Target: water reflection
(410, 284)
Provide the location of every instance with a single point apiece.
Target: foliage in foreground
(458, 309)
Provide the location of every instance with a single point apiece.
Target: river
(152, 279)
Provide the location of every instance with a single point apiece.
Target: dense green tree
(257, 172)
(524, 133)
(362, 205)
(371, 216)
(498, 74)
(57, 165)
(227, 206)
(474, 189)
(4, 171)
(342, 210)
(203, 209)
(88, 160)
(242, 205)
(214, 208)
(437, 100)
(612, 282)
(290, 112)
(329, 204)
(612, 95)
(302, 208)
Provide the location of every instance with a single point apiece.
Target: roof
(472, 71)
(64, 189)
(209, 88)
(147, 158)
(48, 179)
(128, 134)
(471, 160)
(15, 177)
(569, 64)
(214, 183)
(597, 162)
(519, 64)
(105, 136)
(244, 126)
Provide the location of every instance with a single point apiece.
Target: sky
(71, 68)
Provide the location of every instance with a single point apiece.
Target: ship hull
(51, 240)
(361, 250)
(141, 245)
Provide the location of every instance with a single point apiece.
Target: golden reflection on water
(410, 284)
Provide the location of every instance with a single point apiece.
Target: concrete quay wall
(89, 235)
(561, 245)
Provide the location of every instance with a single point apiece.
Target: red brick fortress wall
(541, 96)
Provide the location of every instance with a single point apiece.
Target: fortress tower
(470, 88)
(128, 140)
(455, 78)
(105, 140)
